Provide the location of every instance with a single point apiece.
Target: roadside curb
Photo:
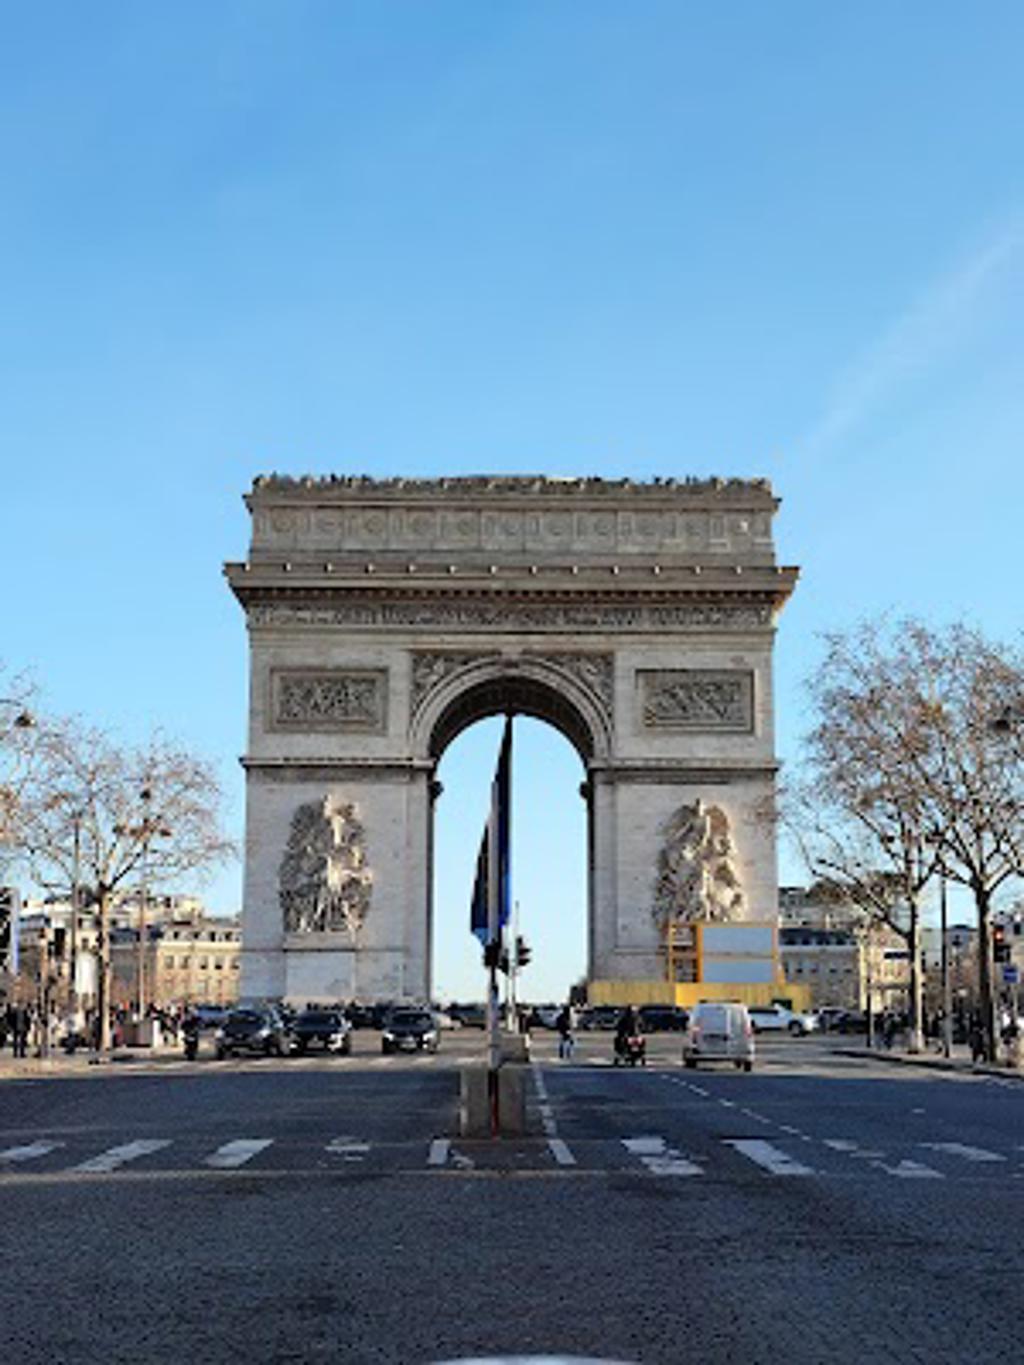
(39, 1067)
(930, 1063)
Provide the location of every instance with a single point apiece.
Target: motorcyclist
(190, 1034)
(627, 1027)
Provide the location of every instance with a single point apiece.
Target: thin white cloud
(933, 327)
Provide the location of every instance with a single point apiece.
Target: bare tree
(17, 736)
(95, 813)
(970, 768)
(862, 827)
(914, 765)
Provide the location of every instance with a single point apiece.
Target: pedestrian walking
(566, 1042)
(21, 1025)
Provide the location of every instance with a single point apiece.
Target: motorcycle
(630, 1048)
(191, 1037)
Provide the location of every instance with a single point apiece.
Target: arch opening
(551, 861)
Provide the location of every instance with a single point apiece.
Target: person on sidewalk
(21, 1026)
(566, 1042)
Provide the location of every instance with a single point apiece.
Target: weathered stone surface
(384, 615)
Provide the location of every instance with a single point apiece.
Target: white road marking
(236, 1153)
(659, 1158)
(114, 1157)
(558, 1148)
(759, 1118)
(768, 1156)
(438, 1154)
(840, 1144)
(910, 1170)
(348, 1148)
(727, 1104)
(962, 1149)
(698, 1090)
(30, 1152)
(561, 1152)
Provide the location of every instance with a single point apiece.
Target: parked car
(603, 1017)
(777, 1018)
(545, 1016)
(410, 1030)
(719, 1031)
(469, 1016)
(327, 1029)
(210, 1016)
(829, 1017)
(260, 1031)
(662, 1019)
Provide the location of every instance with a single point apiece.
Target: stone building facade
(384, 617)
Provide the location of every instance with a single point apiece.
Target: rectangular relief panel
(700, 700)
(349, 700)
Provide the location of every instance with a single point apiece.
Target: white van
(719, 1031)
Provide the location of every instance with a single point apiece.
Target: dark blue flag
(492, 889)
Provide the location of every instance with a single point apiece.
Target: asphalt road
(821, 1209)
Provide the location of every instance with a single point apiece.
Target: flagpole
(493, 938)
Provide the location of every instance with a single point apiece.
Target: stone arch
(386, 616)
(555, 690)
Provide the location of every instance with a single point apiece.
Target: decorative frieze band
(514, 617)
(732, 529)
(703, 700)
(351, 700)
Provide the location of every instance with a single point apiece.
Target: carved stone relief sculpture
(352, 700)
(697, 878)
(325, 885)
(697, 699)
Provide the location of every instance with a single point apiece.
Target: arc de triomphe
(385, 616)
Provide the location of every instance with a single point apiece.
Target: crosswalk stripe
(114, 1157)
(962, 1149)
(659, 1158)
(30, 1152)
(236, 1153)
(768, 1156)
(348, 1148)
(438, 1154)
(910, 1170)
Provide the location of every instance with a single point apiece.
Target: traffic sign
(1011, 974)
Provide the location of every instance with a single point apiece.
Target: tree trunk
(986, 985)
(916, 1042)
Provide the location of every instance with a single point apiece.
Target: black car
(360, 1016)
(469, 1016)
(662, 1019)
(327, 1029)
(410, 1030)
(260, 1031)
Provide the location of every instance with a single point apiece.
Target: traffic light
(523, 951)
(1001, 950)
(492, 953)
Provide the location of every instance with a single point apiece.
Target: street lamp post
(140, 960)
(947, 985)
(76, 873)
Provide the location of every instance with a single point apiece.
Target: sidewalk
(960, 1060)
(82, 1063)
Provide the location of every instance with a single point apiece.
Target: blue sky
(644, 239)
